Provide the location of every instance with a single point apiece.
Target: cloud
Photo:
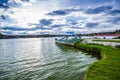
(25, 0)
(115, 20)
(98, 10)
(5, 20)
(3, 3)
(45, 22)
(48, 17)
(116, 4)
(3, 6)
(114, 12)
(57, 26)
(64, 12)
(85, 3)
(20, 3)
(14, 3)
(3, 17)
(91, 25)
(76, 20)
(17, 29)
(58, 12)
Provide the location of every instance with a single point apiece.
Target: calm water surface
(41, 59)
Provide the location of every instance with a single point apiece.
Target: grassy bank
(107, 40)
(108, 67)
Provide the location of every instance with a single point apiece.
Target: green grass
(108, 67)
(107, 40)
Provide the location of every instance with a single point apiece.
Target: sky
(58, 16)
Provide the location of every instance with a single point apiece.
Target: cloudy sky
(58, 16)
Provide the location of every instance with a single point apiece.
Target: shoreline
(108, 67)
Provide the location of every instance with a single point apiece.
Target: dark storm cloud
(98, 10)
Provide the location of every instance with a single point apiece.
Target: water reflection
(41, 59)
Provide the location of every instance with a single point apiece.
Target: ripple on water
(34, 59)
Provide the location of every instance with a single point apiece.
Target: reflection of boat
(67, 41)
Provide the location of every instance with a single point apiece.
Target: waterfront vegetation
(99, 40)
(108, 67)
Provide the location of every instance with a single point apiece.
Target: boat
(67, 41)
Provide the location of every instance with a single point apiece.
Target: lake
(41, 59)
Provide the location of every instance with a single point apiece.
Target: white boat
(67, 41)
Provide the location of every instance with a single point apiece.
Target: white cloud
(24, 13)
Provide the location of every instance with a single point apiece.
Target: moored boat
(67, 41)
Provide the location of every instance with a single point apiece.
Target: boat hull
(65, 42)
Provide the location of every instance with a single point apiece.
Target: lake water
(41, 59)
